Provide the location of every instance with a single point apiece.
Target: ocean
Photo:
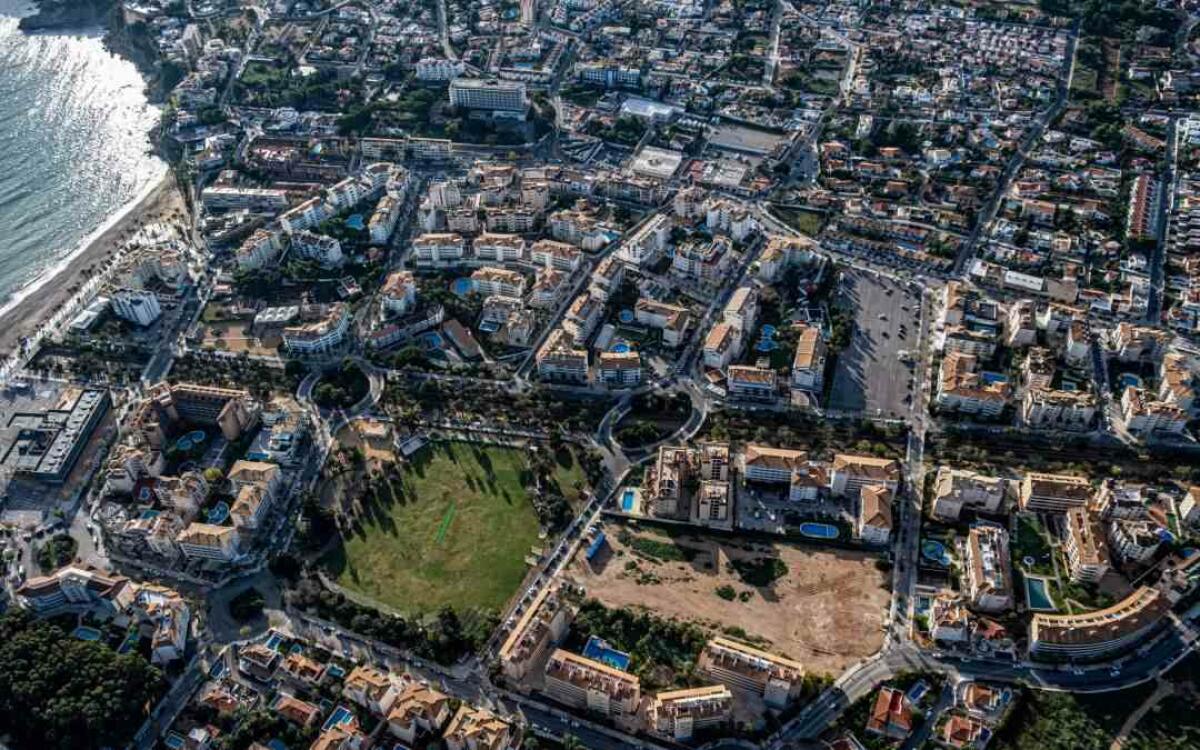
(74, 145)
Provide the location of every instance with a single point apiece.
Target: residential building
(579, 682)
(491, 280)
(1144, 416)
(371, 688)
(954, 489)
(989, 585)
(672, 320)
(874, 522)
(1100, 633)
(1134, 542)
(138, 306)
(399, 293)
(205, 541)
(751, 383)
(741, 311)
(734, 664)
(761, 463)
(679, 714)
(560, 360)
(502, 248)
(962, 388)
(891, 714)
(808, 363)
(1086, 546)
(1053, 492)
(438, 249)
(323, 333)
(542, 626)
(322, 249)
(619, 369)
(720, 346)
(1058, 409)
(850, 473)
(502, 98)
(556, 255)
(478, 729)
(712, 505)
(417, 711)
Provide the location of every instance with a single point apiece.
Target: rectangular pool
(1037, 594)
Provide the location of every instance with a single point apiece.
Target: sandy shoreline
(45, 295)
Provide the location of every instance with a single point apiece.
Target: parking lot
(870, 376)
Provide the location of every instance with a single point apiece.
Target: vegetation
(761, 572)
(247, 605)
(1058, 721)
(60, 692)
(655, 549)
(57, 552)
(652, 417)
(343, 388)
(662, 652)
(451, 529)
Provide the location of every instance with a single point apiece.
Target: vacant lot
(823, 608)
(453, 530)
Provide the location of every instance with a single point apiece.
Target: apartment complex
(735, 664)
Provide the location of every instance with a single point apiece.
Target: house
(371, 689)
(480, 729)
(958, 731)
(296, 711)
(418, 710)
(891, 714)
(874, 522)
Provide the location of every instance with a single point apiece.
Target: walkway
(1164, 689)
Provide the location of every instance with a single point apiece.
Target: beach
(41, 298)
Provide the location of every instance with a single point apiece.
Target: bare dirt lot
(824, 608)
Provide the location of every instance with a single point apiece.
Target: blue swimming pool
(935, 552)
(766, 345)
(84, 633)
(1037, 593)
(335, 671)
(174, 741)
(274, 641)
(625, 316)
(355, 222)
(993, 377)
(819, 530)
(598, 649)
(627, 499)
(1128, 379)
(432, 340)
(462, 287)
(621, 348)
(768, 330)
(340, 716)
(219, 513)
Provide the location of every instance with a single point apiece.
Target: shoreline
(35, 302)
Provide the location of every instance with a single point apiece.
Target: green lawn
(454, 532)
(568, 474)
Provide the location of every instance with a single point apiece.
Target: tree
(60, 692)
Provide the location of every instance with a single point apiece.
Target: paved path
(1164, 689)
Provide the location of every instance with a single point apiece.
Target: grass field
(454, 531)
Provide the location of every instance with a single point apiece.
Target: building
(323, 333)
(850, 473)
(751, 383)
(560, 360)
(418, 711)
(1143, 415)
(502, 248)
(808, 363)
(491, 280)
(439, 69)
(734, 664)
(761, 463)
(398, 296)
(1093, 635)
(962, 388)
(502, 98)
(989, 584)
(138, 306)
(582, 317)
(579, 682)
(712, 505)
(679, 714)
(542, 626)
(1046, 409)
(203, 541)
(555, 255)
(741, 311)
(954, 489)
(671, 320)
(479, 729)
(70, 588)
(434, 249)
(619, 369)
(1133, 542)
(874, 522)
(1053, 492)
(48, 444)
(371, 688)
(891, 714)
(321, 249)
(721, 346)
(1086, 546)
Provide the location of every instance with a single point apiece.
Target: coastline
(37, 301)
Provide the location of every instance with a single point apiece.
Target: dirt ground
(826, 612)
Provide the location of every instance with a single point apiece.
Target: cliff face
(61, 14)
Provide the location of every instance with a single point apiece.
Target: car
(883, 316)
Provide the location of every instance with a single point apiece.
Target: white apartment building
(988, 572)
(138, 306)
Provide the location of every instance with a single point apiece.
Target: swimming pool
(340, 716)
(174, 741)
(819, 530)
(768, 330)
(627, 499)
(84, 633)
(1129, 379)
(935, 552)
(219, 513)
(462, 287)
(335, 671)
(621, 348)
(625, 316)
(355, 222)
(432, 340)
(1037, 593)
(274, 641)
(598, 649)
(766, 345)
